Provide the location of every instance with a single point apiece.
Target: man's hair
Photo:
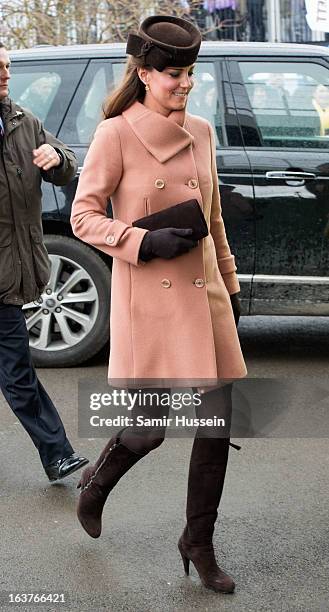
(2, 46)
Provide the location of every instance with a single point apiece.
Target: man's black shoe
(64, 467)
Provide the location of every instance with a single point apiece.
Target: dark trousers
(24, 392)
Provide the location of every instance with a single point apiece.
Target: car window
(85, 111)
(290, 102)
(118, 72)
(203, 99)
(45, 89)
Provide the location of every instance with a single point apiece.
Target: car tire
(74, 330)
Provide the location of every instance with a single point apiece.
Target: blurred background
(62, 22)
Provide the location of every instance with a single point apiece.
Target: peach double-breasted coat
(170, 319)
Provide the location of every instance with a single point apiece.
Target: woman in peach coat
(172, 319)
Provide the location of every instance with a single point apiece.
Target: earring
(147, 88)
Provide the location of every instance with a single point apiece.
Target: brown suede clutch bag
(186, 214)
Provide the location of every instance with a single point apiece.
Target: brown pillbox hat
(165, 41)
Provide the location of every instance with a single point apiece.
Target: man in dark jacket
(27, 154)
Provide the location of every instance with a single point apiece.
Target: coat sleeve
(63, 174)
(99, 179)
(225, 259)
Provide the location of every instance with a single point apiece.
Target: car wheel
(70, 322)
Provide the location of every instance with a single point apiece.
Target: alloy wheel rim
(67, 309)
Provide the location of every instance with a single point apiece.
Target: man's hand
(45, 157)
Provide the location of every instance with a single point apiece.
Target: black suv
(269, 106)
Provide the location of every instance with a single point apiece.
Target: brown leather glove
(236, 307)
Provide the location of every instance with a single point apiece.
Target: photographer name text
(141, 421)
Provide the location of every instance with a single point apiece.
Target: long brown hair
(128, 91)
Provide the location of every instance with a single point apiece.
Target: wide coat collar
(162, 136)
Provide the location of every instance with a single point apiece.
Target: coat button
(193, 183)
(110, 239)
(199, 282)
(166, 283)
(159, 183)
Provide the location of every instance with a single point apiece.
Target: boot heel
(186, 561)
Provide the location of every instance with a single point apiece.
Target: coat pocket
(6, 258)
(41, 262)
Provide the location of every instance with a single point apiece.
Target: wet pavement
(272, 531)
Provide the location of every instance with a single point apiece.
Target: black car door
(211, 98)
(283, 109)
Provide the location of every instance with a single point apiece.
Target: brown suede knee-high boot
(98, 480)
(123, 450)
(205, 485)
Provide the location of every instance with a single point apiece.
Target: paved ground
(272, 534)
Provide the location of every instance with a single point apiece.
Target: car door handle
(287, 175)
